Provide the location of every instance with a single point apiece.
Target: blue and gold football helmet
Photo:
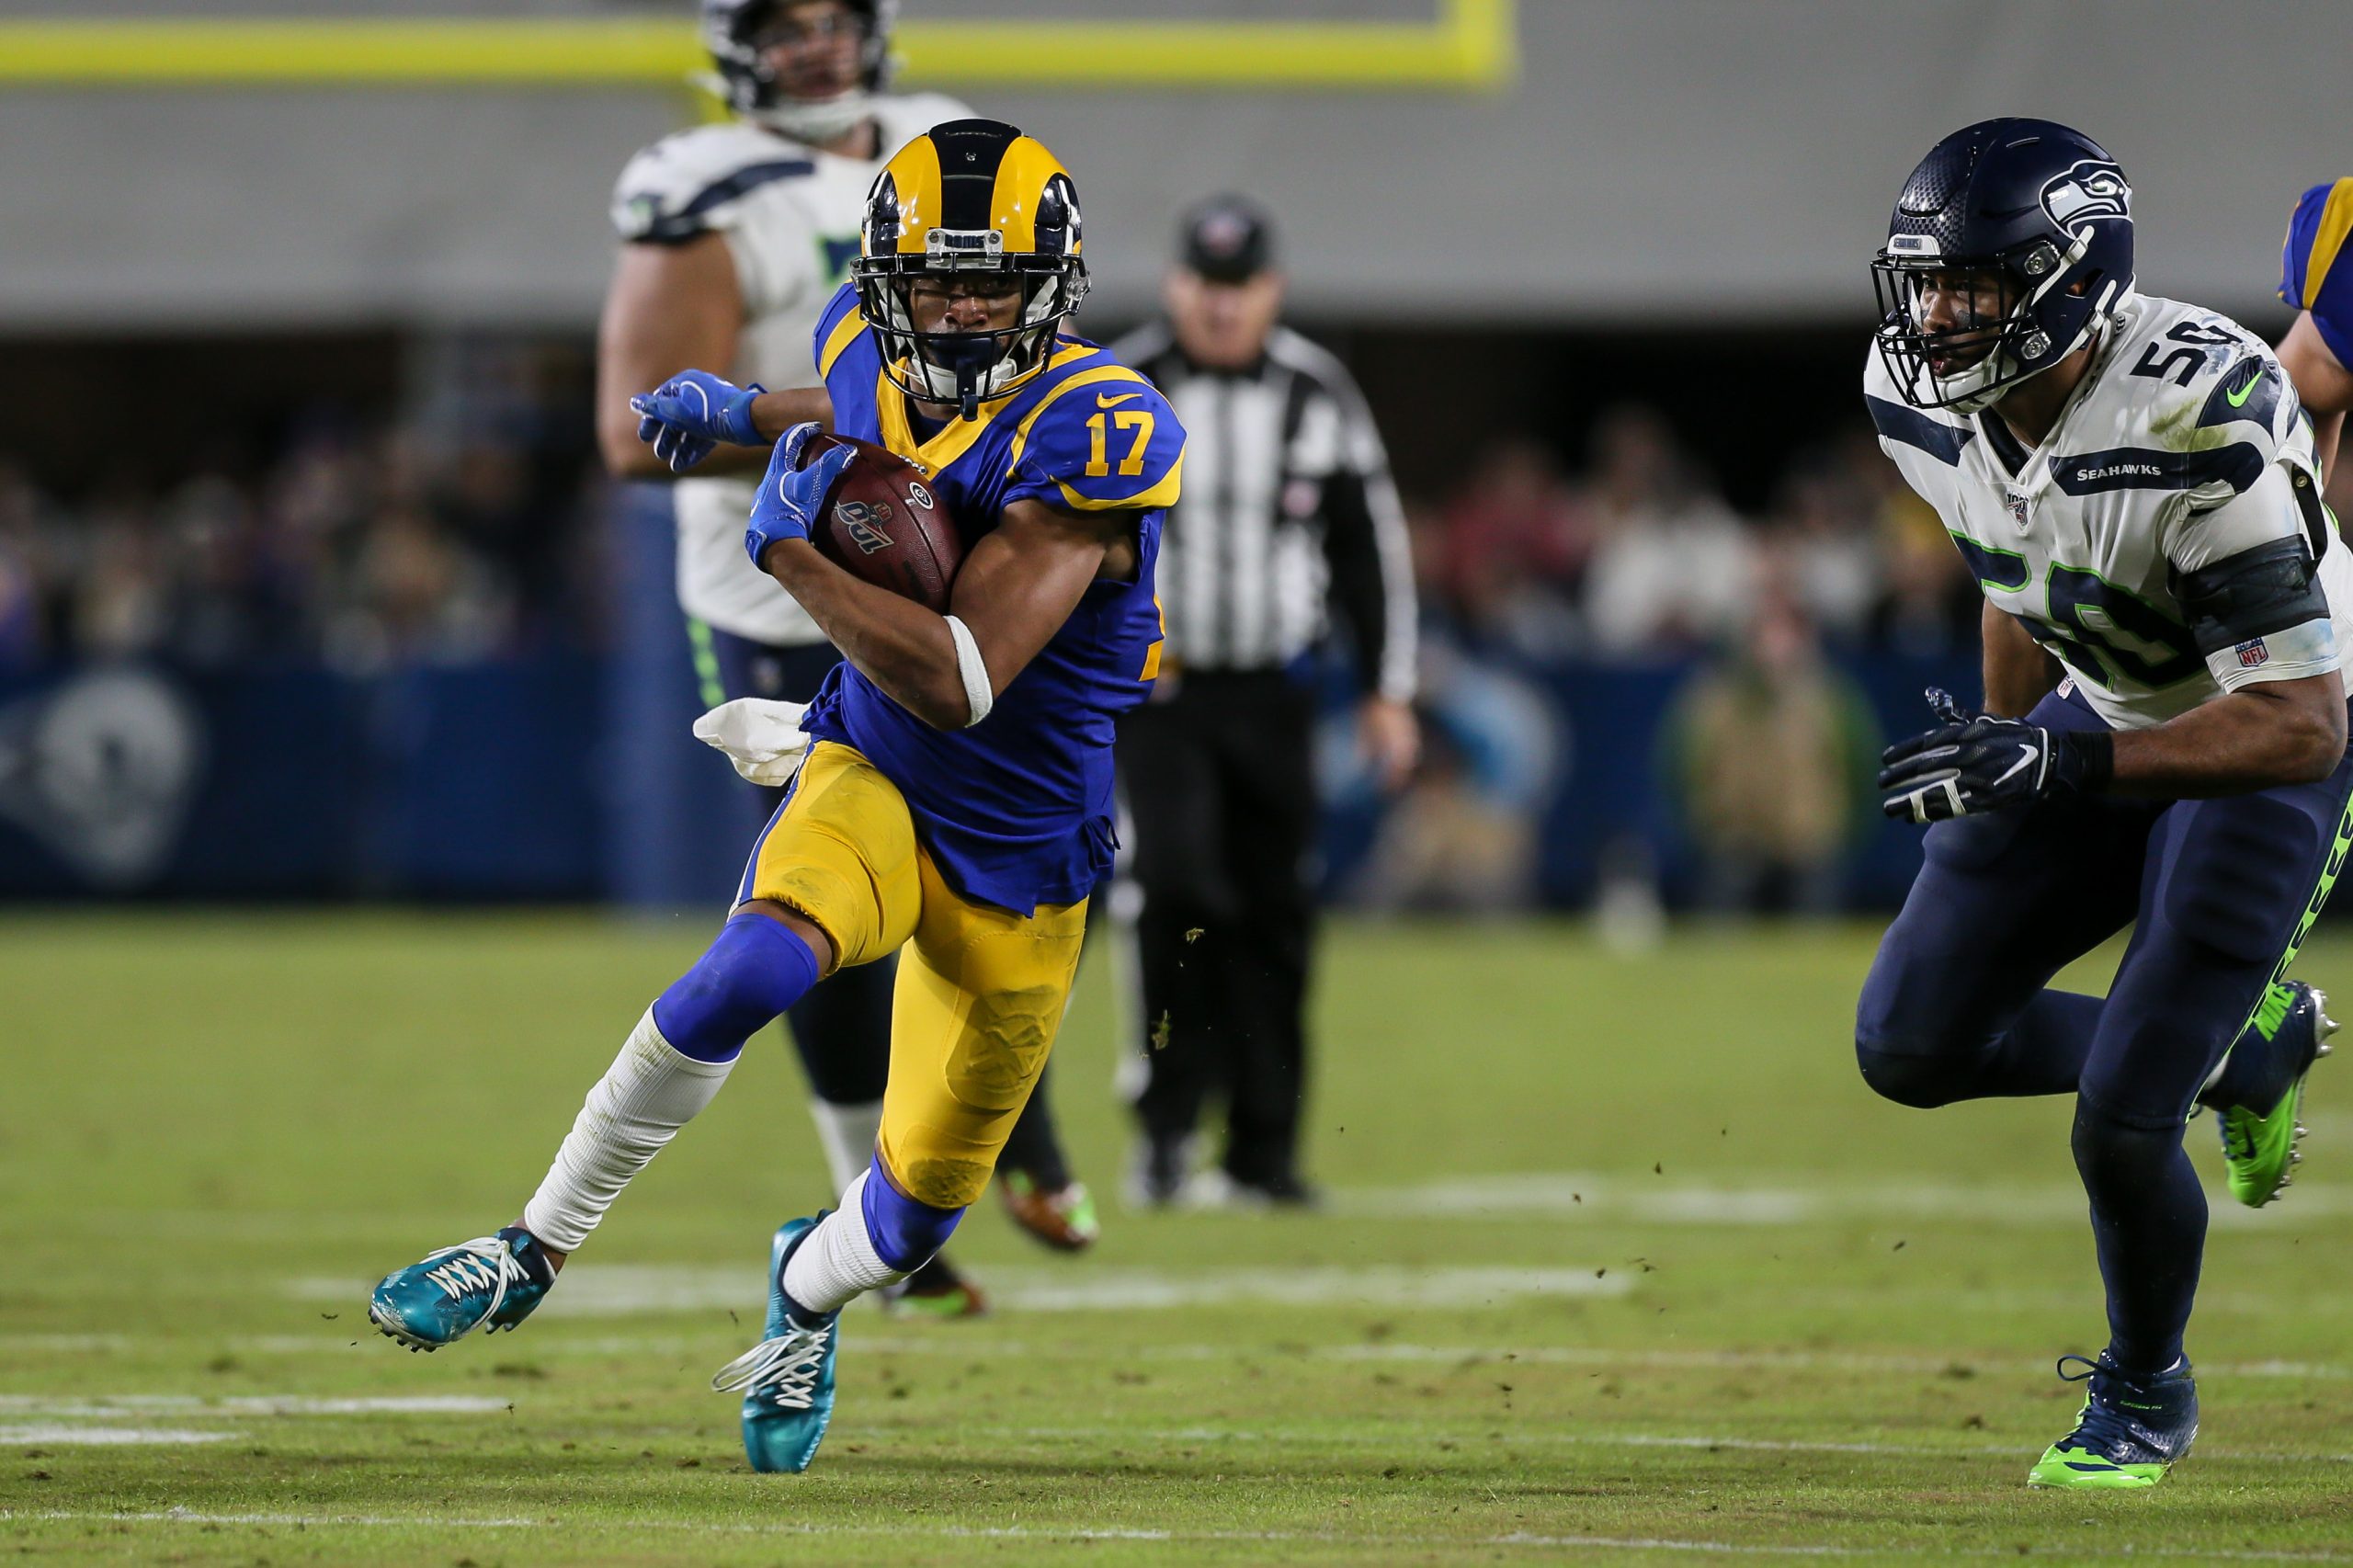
(971, 196)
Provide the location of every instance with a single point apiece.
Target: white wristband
(978, 695)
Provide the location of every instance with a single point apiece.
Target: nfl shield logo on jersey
(2018, 509)
(2253, 655)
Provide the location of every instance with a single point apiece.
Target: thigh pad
(841, 850)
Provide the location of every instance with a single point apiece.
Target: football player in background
(734, 236)
(2316, 281)
(955, 803)
(2132, 483)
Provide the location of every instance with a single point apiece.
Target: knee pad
(1003, 1048)
(1905, 1057)
(2117, 1151)
(754, 971)
(1921, 1079)
(905, 1233)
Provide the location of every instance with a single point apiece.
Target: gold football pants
(981, 991)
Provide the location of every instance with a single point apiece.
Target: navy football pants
(2219, 895)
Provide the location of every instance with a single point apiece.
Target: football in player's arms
(955, 804)
(734, 236)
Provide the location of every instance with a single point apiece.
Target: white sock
(837, 1262)
(848, 1132)
(651, 1091)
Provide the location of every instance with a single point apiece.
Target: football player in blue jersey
(2316, 281)
(954, 806)
(2133, 484)
(734, 236)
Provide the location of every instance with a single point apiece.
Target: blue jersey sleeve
(2314, 273)
(838, 325)
(1105, 440)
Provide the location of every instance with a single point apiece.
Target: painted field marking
(1419, 1434)
(628, 1290)
(51, 1436)
(251, 1404)
(1773, 1199)
(1081, 1532)
(964, 1343)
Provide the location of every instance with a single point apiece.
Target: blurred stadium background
(313, 594)
(310, 586)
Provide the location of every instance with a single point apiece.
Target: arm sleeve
(2245, 573)
(1100, 443)
(1369, 556)
(2314, 273)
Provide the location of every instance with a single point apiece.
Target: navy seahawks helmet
(2017, 235)
(731, 29)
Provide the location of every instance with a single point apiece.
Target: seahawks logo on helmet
(2087, 191)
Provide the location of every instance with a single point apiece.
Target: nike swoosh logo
(1102, 401)
(2026, 759)
(2238, 399)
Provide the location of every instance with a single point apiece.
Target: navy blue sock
(754, 971)
(2149, 1224)
(2259, 1071)
(906, 1234)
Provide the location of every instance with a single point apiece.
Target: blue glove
(792, 496)
(691, 413)
(1978, 763)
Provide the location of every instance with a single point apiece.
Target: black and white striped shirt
(1288, 507)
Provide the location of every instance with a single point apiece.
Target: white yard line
(53, 1436)
(1420, 1436)
(1778, 1199)
(1384, 1542)
(630, 1289)
(980, 1345)
(286, 1404)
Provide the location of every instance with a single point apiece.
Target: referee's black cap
(1227, 239)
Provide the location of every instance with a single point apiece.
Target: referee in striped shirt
(1289, 514)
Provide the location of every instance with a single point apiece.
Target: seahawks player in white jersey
(2132, 482)
(734, 237)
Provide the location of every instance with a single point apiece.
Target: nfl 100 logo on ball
(863, 522)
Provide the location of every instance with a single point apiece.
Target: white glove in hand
(761, 737)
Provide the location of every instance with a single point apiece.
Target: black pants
(1220, 782)
(841, 1029)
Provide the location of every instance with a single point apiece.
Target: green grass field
(1622, 1263)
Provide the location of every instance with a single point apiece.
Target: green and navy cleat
(2130, 1432)
(2259, 1149)
(787, 1378)
(494, 1281)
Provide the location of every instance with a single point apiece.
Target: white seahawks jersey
(2145, 477)
(790, 216)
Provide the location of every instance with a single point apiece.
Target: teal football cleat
(787, 1378)
(2130, 1432)
(2259, 1149)
(491, 1279)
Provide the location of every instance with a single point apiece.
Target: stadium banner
(560, 777)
